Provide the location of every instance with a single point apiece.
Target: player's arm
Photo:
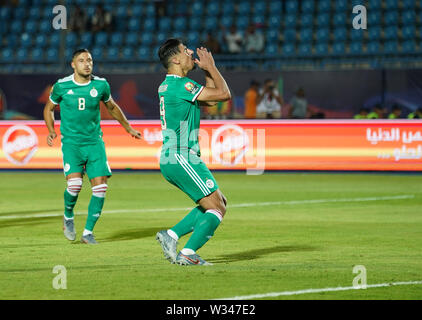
(209, 83)
(49, 121)
(117, 114)
(220, 91)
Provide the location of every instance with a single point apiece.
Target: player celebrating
(79, 96)
(180, 161)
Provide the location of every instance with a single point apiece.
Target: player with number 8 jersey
(79, 108)
(83, 148)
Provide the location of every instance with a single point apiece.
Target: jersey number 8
(163, 114)
(81, 103)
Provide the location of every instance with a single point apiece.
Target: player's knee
(223, 204)
(224, 200)
(74, 186)
(221, 208)
(99, 190)
(217, 212)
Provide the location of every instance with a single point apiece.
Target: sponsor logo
(189, 86)
(229, 144)
(194, 261)
(93, 93)
(70, 91)
(20, 144)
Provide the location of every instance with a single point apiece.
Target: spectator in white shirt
(269, 101)
(234, 40)
(254, 41)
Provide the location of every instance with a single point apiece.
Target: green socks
(69, 204)
(94, 211)
(95, 206)
(187, 224)
(204, 229)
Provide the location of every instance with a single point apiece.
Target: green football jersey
(180, 113)
(80, 108)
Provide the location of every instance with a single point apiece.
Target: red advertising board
(256, 145)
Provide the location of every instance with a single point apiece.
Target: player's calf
(94, 209)
(74, 186)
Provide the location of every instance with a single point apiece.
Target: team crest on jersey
(66, 167)
(210, 183)
(93, 93)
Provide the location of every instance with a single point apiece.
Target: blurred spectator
(363, 114)
(221, 110)
(234, 40)
(10, 114)
(269, 101)
(377, 113)
(416, 114)
(212, 44)
(101, 20)
(78, 20)
(318, 115)
(160, 9)
(298, 105)
(395, 112)
(254, 41)
(251, 96)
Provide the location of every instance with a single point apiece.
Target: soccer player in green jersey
(83, 149)
(180, 163)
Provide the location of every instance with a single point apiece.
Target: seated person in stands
(377, 113)
(395, 112)
(363, 114)
(416, 114)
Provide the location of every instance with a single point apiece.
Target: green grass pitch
(282, 232)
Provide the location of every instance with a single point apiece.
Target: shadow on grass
(133, 234)
(28, 221)
(258, 253)
(30, 211)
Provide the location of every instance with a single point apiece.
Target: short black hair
(168, 49)
(79, 51)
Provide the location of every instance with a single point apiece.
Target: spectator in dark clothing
(212, 44)
(101, 20)
(78, 20)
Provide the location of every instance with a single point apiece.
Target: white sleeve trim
(49, 97)
(109, 98)
(199, 92)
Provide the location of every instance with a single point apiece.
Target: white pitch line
(291, 293)
(236, 205)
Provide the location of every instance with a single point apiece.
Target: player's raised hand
(206, 60)
(51, 136)
(134, 133)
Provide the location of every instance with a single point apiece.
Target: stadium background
(309, 44)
